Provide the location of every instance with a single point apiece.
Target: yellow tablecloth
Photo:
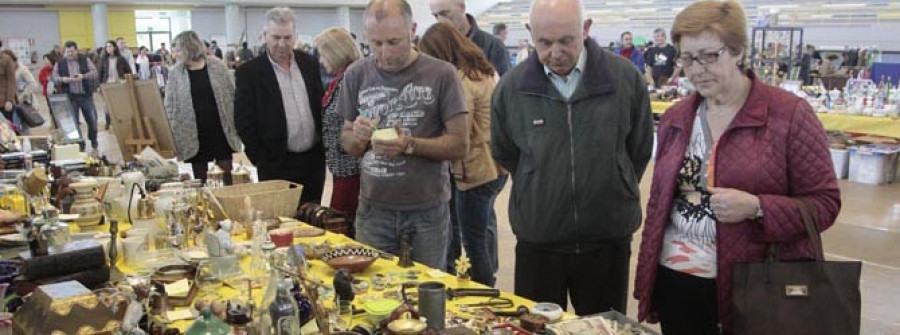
(324, 272)
(660, 107)
(879, 126)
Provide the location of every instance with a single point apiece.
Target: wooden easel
(142, 134)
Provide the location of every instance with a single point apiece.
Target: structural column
(343, 15)
(101, 24)
(234, 26)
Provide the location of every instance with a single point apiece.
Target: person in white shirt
(524, 49)
(143, 63)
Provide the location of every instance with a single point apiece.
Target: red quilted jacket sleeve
(811, 177)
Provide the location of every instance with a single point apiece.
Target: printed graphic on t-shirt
(661, 59)
(391, 107)
(689, 244)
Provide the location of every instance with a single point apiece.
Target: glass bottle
(283, 309)
(259, 265)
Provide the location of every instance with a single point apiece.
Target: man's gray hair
(280, 16)
(659, 31)
(381, 9)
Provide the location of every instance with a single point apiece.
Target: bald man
(573, 126)
(405, 180)
(454, 13)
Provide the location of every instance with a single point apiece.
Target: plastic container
(378, 310)
(873, 164)
(841, 160)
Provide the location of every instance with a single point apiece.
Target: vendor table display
(198, 274)
(861, 124)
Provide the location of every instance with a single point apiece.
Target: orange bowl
(352, 259)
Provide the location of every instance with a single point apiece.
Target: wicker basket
(275, 198)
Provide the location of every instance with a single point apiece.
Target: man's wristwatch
(759, 213)
(410, 147)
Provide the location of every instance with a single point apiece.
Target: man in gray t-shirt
(405, 182)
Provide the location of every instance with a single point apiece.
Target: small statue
(219, 242)
(343, 285)
(405, 260)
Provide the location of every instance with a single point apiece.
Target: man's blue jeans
(85, 103)
(471, 225)
(426, 230)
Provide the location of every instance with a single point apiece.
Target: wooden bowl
(352, 259)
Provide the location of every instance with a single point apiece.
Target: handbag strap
(810, 217)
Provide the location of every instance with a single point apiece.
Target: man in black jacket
(77, 77)
(454, 13)
(277, 109)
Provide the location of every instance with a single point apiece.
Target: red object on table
(282, 237)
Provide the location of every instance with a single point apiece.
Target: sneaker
(95, 153)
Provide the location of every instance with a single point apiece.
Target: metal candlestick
(113, 237)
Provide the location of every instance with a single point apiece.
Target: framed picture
(64, 114)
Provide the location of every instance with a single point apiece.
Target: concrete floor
(868, 230)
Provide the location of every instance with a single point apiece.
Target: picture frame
(63, 113)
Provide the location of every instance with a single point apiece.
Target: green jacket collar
(595, 80)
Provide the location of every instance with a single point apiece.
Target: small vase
(463, 281)
(89, 209)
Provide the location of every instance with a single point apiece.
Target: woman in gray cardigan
(199, 104)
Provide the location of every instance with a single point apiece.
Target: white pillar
(421, 15)
(343, 15)
(234, 26)
(101, 24)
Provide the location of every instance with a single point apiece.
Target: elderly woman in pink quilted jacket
(732, 158)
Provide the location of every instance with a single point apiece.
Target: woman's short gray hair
(280, 15)
(190, 44)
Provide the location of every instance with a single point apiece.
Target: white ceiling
(651, 13)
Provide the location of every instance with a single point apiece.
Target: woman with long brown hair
(475, 177)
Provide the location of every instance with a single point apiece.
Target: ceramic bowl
(352, 259)
(547, 309)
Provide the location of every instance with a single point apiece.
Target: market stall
(135, 252)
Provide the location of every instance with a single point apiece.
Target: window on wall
(153, 31)
(156, 27)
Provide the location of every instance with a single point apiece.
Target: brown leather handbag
(797, 297)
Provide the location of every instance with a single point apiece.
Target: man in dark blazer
(277, 109)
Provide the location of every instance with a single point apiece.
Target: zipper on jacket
(572, 166)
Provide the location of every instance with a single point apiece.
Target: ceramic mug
(135, 247)
(138, 232)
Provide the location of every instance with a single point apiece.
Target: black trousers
(596, 280)
(305, 168)
(686, 304)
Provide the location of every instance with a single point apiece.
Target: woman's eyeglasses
(702, 58)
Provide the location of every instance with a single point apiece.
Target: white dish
(69, 217)
(13, 239)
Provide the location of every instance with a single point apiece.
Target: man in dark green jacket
(574, 128)
(454, 13)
